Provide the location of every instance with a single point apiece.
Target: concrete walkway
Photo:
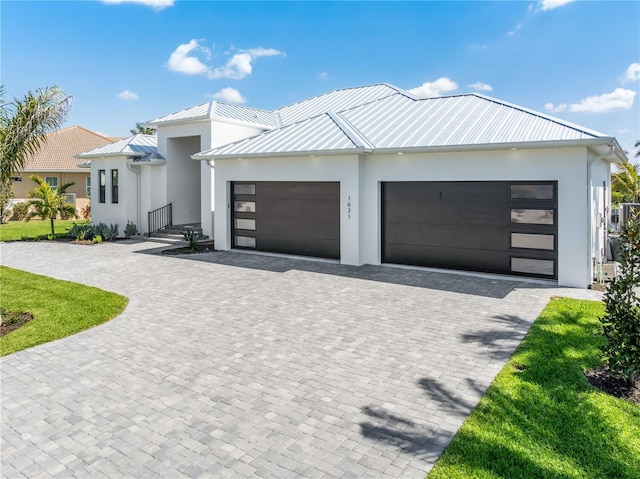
(241, 365)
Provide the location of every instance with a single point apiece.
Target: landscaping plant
(48, 203)
(621, 321)
(130, 230)
(192, 237)
(20, 211)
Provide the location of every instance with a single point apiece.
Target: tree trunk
(53, 232)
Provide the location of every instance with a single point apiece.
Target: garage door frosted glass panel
(532, 192)
(246, 241)
(532, 266)
(245, 206)
(245, 224)
(532, 241)
(244, 189)
(532, 217)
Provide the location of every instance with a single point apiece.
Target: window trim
(114, 185)
(87, 186)
(50, 183)
(102, 186)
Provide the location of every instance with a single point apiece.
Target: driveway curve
(242, 365)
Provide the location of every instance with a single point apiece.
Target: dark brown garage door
(301, 218)
(497, 227)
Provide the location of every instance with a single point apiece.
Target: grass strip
(59, 308)
(34, 229)
(540, 418)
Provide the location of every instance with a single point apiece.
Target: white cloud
(157, 4)
(323, 76)
(513, 32)
(230, 95)
(240, 64)
(480, 86)
(546, 5)
(127, 95)
(237, 67)
(625, 131)
(180, 61)
(632, 73)
(435, 88)
(617, 100)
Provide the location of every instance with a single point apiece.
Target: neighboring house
(374, 175)
(55, 162)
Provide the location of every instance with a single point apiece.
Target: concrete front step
(173, 234)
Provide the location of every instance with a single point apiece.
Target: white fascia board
(587, 143)
(82, 156)
(141, 163)
(179, 121)
(287, 154)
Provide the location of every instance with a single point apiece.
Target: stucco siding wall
(109, 212)
(361, 178)
(22, 188)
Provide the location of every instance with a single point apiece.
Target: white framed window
(52, 181)
(88, 186)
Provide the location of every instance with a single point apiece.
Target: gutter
(610, 142)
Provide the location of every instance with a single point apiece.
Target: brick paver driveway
(239, 365)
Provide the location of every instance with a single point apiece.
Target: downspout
(593, 260)
(138, 195)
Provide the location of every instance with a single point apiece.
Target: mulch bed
(604, 380)
(12, 321)
(200, 248)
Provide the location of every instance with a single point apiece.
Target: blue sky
(130, 61)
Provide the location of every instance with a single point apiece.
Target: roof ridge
(355, 135)
(337, 90)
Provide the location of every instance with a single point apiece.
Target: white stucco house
(374, 175)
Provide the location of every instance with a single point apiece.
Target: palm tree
(49, 203)
(625, 183)
(139, 129)
(25, 123)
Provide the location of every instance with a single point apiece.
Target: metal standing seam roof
(134, 146)
(217, 109)
(399, 121)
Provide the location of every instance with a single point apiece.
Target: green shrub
(621, 322)
(106, 232)
(81, 231)
(130, 230)
(192, 237)
(97, 239)
(20, 211)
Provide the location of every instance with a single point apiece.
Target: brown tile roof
(57, 153)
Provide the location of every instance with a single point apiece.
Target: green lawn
(18, 230)
(540, 417)
(60, 308)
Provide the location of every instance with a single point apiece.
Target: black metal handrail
(160, 218)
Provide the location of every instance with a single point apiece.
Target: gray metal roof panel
(245, 114)
(334, 101)
(137, 145)
(321, 133)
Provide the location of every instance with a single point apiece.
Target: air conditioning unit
(70, 198)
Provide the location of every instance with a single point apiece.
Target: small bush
(97, 239)
(86, 212)
(621, 322)
(192, 237)
(130, 230)
(20, 211)
(81, 231)
(106, 232)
